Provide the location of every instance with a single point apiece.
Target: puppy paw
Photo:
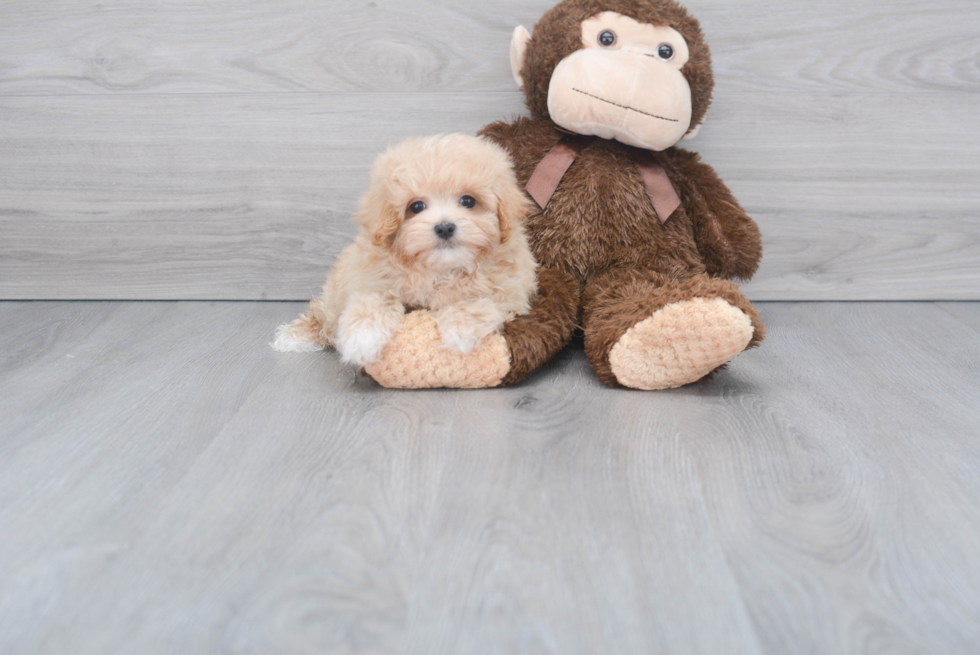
(363, 346)
(461, 341)
(364, 329)
(300, 336)
(462, 327)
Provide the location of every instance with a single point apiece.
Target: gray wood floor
(179, 149)
(169, 484)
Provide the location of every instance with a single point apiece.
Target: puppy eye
(666, 51)
(607, 39)
(468, 201)
(417, 207)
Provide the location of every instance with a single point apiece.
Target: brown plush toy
(638, 240)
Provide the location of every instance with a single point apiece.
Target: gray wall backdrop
(215, 150)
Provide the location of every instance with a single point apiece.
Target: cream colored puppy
(441, 229)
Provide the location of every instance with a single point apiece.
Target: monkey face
(625, 84)
(619, 77)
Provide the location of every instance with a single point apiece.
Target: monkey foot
(415, 359)
(680, 344)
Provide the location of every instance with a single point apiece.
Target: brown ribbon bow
(549, 173)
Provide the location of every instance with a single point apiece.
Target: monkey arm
(536, 337)
(727, 238)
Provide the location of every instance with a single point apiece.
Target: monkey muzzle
(626, 95)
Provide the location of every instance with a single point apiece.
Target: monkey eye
(666, 51)
(469, 202)
(417, 207)
(607, 39)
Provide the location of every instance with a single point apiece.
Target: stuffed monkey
(638, 240)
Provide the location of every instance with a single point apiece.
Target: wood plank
(170, 484)
(876, 380)
(248, 197)
(195, 197)
(969, 314)
(124, 47)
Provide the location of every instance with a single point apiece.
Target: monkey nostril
(445, 231)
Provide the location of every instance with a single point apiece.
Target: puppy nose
(445, 231)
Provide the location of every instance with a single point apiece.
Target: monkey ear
(518, 46)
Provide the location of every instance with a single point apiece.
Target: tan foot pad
(415, 359)
(680, 344)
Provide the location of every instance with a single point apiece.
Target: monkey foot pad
(414, 359)
(680, 344)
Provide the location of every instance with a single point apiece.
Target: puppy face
(449, 230)
(442, 203)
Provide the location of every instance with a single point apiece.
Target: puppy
(441, 229)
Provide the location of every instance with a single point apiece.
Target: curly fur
(474, 282)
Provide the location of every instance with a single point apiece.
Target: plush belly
(601, 217)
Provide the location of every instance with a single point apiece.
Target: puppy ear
(377, 216)
(387, 227)
(512, 208)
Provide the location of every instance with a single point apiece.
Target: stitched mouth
(626, 107)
